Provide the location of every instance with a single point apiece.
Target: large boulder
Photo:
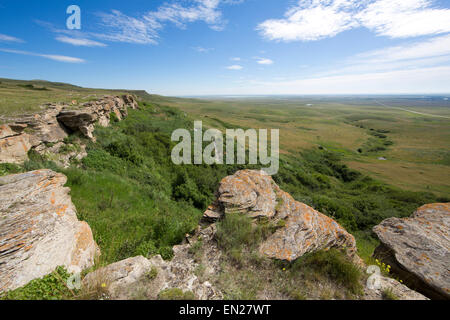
(254, 193)
(39, 229)
(418, 249)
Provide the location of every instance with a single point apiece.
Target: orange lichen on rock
(255, 194)
(421, 251)
(39, 229)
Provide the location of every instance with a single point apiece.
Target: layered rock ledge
(418, 249)
(39, 229)
(304, 230)
(46, 131)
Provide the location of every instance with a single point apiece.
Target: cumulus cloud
(54, 57)
(80, 42)
(310, 20)
(313, 20)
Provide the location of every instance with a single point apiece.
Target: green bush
(388, 294)
(176, 294)
(234, 232)
(50, 287)
(113, 117)
(9, 168)
(333, 264)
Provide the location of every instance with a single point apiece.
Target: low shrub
(175, 294)
(333, 264)
(51, 287)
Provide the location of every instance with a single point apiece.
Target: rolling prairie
(405, 142)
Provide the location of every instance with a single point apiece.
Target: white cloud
(203, 50)
(411, 67)
(312, 20)
(428, 53)
(434, 47)
(264, 61)
(54, 57)
(201, 10)
(122, 28)
(145, 29)
(235, 67)
(235, 59)
(80, 42)
(419, 80)
(405, 18)
(6, 38)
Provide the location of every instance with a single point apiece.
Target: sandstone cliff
(39, 229)
(45, 131)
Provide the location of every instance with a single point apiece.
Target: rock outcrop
(304, 230)
(142, 278)
(43, 130)
(418, 249)
(398, 290)
(39, 229)
(100, 111)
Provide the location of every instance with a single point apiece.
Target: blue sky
(232, 47)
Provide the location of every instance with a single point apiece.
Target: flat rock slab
(400, 291)
(418, 249)
(39, 229)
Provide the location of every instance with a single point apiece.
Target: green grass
(175, 294)
(18, 97)
(51, 287)
(387, 294)
(332, 264)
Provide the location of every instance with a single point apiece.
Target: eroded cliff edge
(45, 132)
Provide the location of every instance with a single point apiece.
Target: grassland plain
(413, 151)
(138, 202)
